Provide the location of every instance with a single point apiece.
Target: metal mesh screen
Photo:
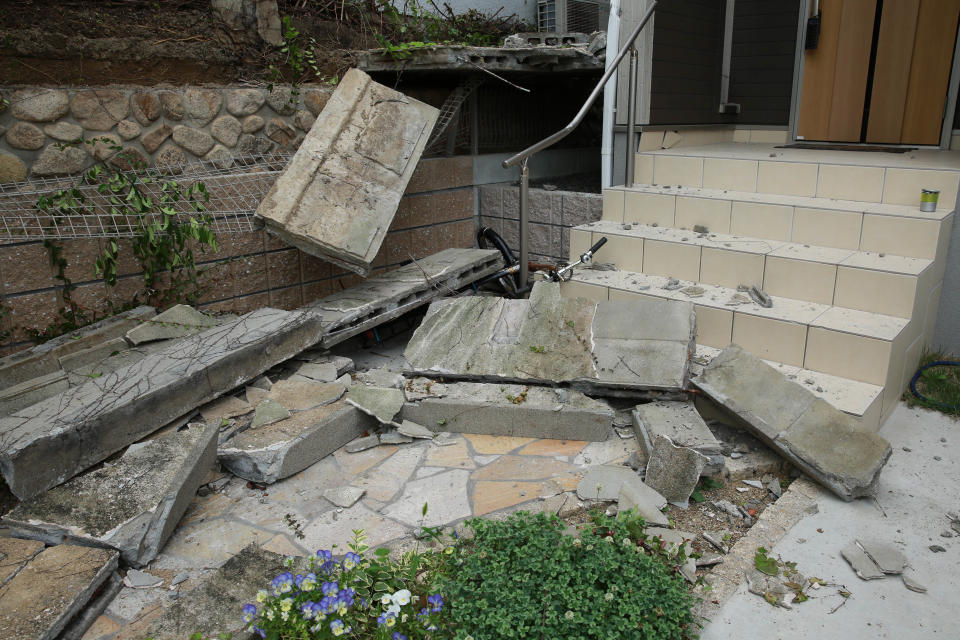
(235, 193)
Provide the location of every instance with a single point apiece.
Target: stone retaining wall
(251, 269)
(552, 213)
(159, 126)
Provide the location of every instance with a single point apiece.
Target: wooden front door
(880, 72)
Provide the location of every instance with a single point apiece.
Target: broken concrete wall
(131, 505)
(827, 444)
(337, 197)
(50, 442)
(617, 347)
(508, 410)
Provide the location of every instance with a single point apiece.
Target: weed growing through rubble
(525, 578)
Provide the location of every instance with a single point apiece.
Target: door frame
(953, 88)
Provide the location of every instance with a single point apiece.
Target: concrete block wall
(552, 214)
(250, 269)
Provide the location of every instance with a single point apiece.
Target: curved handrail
(597, 90)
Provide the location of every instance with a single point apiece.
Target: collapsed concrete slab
(44, 359)
(50, 442)
(380, 299)
(213, 606)
(827, 444)
(14, 556)
(275, 451)
(337, 197)
(612, 347)
(131, 505)
(674, 471)
(53, 587)
(510, 410)
(680, 422)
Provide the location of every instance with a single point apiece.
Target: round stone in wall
(57, 161)
(249, 145)
(12, 168)
(170, 158)
(220, 156)
(244, 102)
(282, 100)
(64, 131)
(252, 124)
(315, 100)
(24, 135)
(145, 107)
(39, 104)
(304, 120)
(226, 129)
(128, 129)
(129, 159)
(280, 132)
(201, 105)
(152, 140)
(99, 109)
(102, 147)
(196, 141)
(171, 104)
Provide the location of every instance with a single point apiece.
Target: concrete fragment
(910, 583)
(22, 395)
(323, 372)
(509, 410)
(414, 430)
(756, 484)
(176, 322)
(49, 442)
(717, 539)
(887, 557)
(395, 437)
(681, 422)
(344, 496)
(709, 560)
(340, 191)
(860, 562)
(381, 377)
(827, 444)
(617, 346)
(255, 395)
(362, 444)
(136, 579)
(381, 403)
(269, 453)
(634, 494)
(131, 505)
(268, 412)
(224, 407)
(83, 622)
(306, 394)
(41, 600)
(93, 355)
(603, 482)
(674, 471)
(392, 294)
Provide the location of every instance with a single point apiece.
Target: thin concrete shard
(337, 197)
(271, 452)
(648, 503)
(131, 505)
(603, 482)
(860, 562)
(674, 471)
(380, 299)
(380, 402)
(680, 422)
(617, 347)
(508, 410)
(48, 443)
(827, 444)
(53, 587)
(178, 321)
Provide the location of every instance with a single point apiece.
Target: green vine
(300, 59)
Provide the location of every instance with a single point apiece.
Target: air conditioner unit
(564, 16)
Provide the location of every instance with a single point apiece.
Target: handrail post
(524, 219)
(631, 117)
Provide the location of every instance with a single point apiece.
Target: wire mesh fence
(89, 210)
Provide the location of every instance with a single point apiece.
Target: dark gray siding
(761, 67)
(687, 51)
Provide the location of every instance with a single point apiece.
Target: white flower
(568, 615)
(401, 597)
(385, 599)
(608, 596)
(394, 609)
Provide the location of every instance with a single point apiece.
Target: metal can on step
(928, 199)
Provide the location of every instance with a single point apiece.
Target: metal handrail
(524, 156)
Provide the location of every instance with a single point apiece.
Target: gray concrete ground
(916, 491)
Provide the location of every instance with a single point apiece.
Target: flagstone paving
(473, 475)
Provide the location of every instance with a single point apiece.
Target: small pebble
(946, 534)
(907, 449)
(736, 454)
(943, 439)
(937, 548)
(937, 458)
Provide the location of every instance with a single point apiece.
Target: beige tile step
(847, 175)
(865, 281)
(845, 224)
(858, 345)
(859, 399)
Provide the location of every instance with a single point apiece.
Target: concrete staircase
(835, 237)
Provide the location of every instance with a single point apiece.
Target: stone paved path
(475, 475)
